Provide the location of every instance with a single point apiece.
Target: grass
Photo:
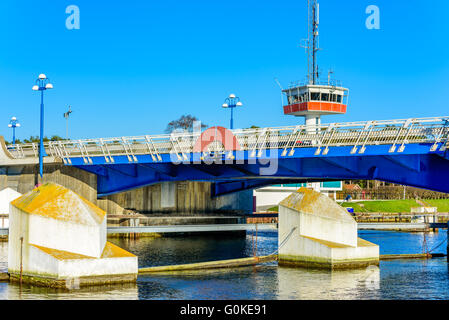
(388, 206)
(441, 204)
(355, 205)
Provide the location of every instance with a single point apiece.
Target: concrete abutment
(180, 198)
(315, 232)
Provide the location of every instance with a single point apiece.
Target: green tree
(35, 139)
(185, 123)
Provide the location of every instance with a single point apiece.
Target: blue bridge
(411, 152)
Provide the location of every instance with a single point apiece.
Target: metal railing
(302, 83)
(358, 135)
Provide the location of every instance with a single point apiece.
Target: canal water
(399, 279)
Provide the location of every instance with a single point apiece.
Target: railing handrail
(357, 134)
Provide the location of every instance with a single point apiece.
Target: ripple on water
(399, 279)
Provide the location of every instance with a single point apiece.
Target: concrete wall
(77, 238)
(19, 226)
(269, 197)
(182, 198)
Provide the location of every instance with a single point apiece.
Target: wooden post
(21, 259)
(252, 242)
(256, 241)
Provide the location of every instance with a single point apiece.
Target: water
(400, 279)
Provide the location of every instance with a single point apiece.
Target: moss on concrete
(140, 235)
(323, 263)
(52, 282)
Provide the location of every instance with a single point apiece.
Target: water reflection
(3, 256)
(298, 284)
(400, 279)
(15, 291)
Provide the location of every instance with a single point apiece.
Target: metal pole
(13, 134)
(232, 117)
(41, 140)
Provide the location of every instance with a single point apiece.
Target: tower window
(315, 96)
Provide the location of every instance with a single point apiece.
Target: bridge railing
(358, 135)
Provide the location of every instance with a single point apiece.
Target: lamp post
(14, 123)
(42, 84)
(231, 102)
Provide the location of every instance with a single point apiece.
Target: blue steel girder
(411, 163)
(416, 166)
(350, 164)
(227, 187)
(434, 177)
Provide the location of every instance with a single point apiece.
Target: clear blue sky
(136, 65)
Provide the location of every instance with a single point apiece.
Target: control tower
(313, 98)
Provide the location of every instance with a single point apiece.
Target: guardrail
(358, 135)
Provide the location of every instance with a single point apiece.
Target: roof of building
(312, 202)
(110, 251)
(360, 243)
(352, 187)
(53, 201)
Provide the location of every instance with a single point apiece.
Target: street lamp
(14, 123)
(231, 102)
(42, 84)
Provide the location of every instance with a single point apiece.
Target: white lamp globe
(232, 96)
(225, 105)
(36, 88)
(48, 86)
(42, 76)
(18, 125)
(10, 125)
(13, 118)
(239, 104)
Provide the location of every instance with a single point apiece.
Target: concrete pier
(58, 239)
(314, 231)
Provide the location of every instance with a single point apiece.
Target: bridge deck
(359, 135)
(409, 151)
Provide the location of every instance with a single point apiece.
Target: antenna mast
(313, 40)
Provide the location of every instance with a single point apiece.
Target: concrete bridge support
(314, 231)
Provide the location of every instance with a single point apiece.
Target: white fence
(358, 135)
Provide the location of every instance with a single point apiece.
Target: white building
(56, 236)
(6, 196)
(270, 196)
